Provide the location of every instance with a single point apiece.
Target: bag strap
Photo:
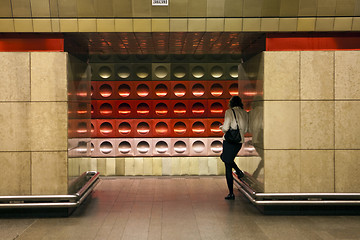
(237, 125)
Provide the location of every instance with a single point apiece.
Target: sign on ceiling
(160, 2)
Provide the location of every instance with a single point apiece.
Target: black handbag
(233, 135)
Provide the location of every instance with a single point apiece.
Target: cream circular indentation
(198, 146)
(105, 72)
(198, 72)
(124, 147)
(161, 71)
(216, 71)
(233, 71)
(123, 72)
(142, 72)
(179, 72)
(106, 147)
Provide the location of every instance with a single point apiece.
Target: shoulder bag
(233, 135)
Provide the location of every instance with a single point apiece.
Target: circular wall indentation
(92, 128)
(179, 72)
(180, 128)
(92, 148)
(141, 56)
(179, 56)
(161, 71)
(92, 109)
(161, 147)
(143, 109)
(105, 72)
(106, 128)
(124, 109)
(123, 72)
(124, 147)
(180, 147)
(142, 90)
(198, 146)
(92, 91)
(161, 90)
(215, 127)
(123, 56)
(124, 128)
(143, 147)
(81, 128)
(233, 71)
(142, 72)
(198, 109)
(124, 90)
(216, 108)
(105, 90)
(236, 56)
(104, 56)
(217, 56)
(180, 109)
(82, 147)
(198, 127)
(106, 147)
(143, 128)
(161, 128)
(82, 108)
(216, 90)
(198, 56)
(82, 90)
(216, 146)
(106, 109)
(233, 89)
(217, 71)
(198, 72)
(179, 90)
(161, 56)
(161, 109)
(198, 90)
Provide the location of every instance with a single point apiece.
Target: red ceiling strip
(31, 43)
(312, 41)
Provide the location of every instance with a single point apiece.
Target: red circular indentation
(92, 90)
(180, 109)
(92, 109)
(216, 90)
(124, 90)
(216, 108)
(81, 128)
(198, 90)
(198, 109)
(180, 128)
(106, 109)
(233, 89)
(92, 128)
(161, 109)
(124, 109)
(161, 90)
(143, 128)
(198, 127)
(215, 127)
(143, 109)
(142, 90)
(161, 128)
(106, 128)
(124, 128)
(105, 90)
(179, 90)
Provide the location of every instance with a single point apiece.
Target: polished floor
(174, 208)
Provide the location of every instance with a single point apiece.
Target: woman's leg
(229, 177)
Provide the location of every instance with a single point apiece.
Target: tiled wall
(34, 123)
(311, 113)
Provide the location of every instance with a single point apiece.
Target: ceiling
(166, 43)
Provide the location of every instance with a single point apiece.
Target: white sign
(160, 2)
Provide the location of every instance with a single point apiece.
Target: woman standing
(230, 150)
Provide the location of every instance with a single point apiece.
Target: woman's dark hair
(235, 101)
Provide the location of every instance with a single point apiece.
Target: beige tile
(110, 166)
(196, 8)
(42, 25)
(317, 75)
(15, 73)
(54, 179)
(48, 126)
(317, 124)
(160, 25)
(270, 8)
(212, 165)
(282, 125)
(215, 8)
(289, 8)
(220, 167)
(343, 23)
(14, 127)
(6, 10)
(178, 25)
(347, 128)
(124, 25)
(233, 24)
(48, 76)
(345, 8)
(233, 8)
(148, 166)
(347, 75)
(252, 8)
(7, 25)
(157, 166)
(101, 166)
(270, 24)
(86, 9)
(129, 166)
(307, 8)
(55, 25)
(23, 25)
(178, 8)
(40, 8)
(123, 8)
(251, 24)
(347, 168)
(326, 8)
(176, 166)
(288, 24)
(306, 24)
(105, 25)
(15, 177)
(282, 171)
(139, 166)
(356, 24)
(215, 24)
(69, 25)
(157, 11)
(141, 8)
(194, 166)
(120, 166)
(142, 25)
(197, 24)
(317, 171)
(73, 167)
(324, 24)
(203, 166)
(185, 165)
(87, 25)
(166, 166)
(281, 83)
